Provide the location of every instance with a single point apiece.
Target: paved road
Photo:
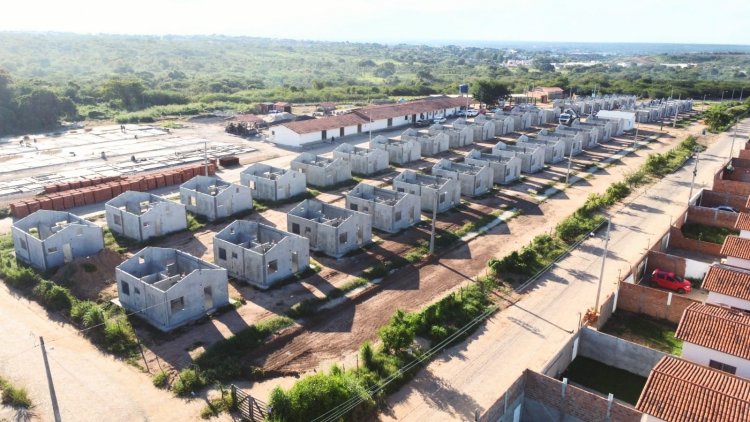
(472, 375)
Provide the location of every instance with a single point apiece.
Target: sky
(394, 21)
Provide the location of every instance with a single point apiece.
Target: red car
(670, 281)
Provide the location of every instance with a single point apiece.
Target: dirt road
(471, 376)
(88, 385)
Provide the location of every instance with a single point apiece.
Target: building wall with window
(336, 233)
(161, 217)
(273, 183)
(260, 255)
(389, 217)
(448, 191)
(167, 299)
(704, 356)
(41, 243)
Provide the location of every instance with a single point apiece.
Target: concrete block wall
(713, 198)
(678, 240)
(546, 399)
(712, 217)
(655, 303)
(617, 352)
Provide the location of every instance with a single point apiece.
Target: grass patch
(707, 233)
(654, 333)
(4, 212)
(117, 243)
(316, 394)
(195, 222)
(605, 379)
(160, 379)
(14, 396)
(223, 360)
(219, 405)
(662, 164)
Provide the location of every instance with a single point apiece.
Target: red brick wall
(577, 402)
(497, 410)
(677, 240)
(745, 154)
(640, 299)
(741, 162)
(662, 261)
(713, 198)
(712, 217)
(725, 182)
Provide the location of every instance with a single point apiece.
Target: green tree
(128, 93)
(398, 335)
(489, 92)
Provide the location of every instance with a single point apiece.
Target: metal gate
(249, 408)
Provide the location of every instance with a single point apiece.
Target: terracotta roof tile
(681, 391)
(325, 123)
(388, 111)
(736, 247)
(728, 281)
(717, 328)
(743, 221)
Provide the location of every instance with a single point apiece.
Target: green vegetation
(223, 360)
(662, 164)
(605, 379)
(218, 405)
(14, 396)
(315, 395)
(545, 249)
(160, 379)
(720, 117)
(195, 222)
(184, 75)
(644, 330)
(117, 243)
(105, 325)
(707, 233)
(4, 212)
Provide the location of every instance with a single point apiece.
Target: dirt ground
(91, 278)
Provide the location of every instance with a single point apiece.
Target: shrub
(16, 397)
(160, 379)
(367, 355)
(615, 192)
(398, 334)
(119, 337)
(187, 381)
(54, 297)
(87, 313)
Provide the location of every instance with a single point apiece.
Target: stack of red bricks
(62, 196)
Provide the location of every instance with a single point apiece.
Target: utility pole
(604, 260)
(676, 112)
(635, 140)
(570, 160)
(731, 150)
(205, 156)
(695, 173)
(434, 217)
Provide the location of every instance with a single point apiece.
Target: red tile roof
(717, 328)
(736, 247)
(325, 123)
(728, 281)
(377, 112)
(388, 111)
(743, 221)
(681, 391)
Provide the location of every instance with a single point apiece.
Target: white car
(439, 119)
(472, 113)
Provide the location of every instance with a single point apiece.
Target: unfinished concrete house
(505, 170)
(332, 230)
(503, 124)
(446, 191)
(428, 144)
(554, 149)
(587, 140)
(48, 239)
(169, 288)
(322, 171)
(457, 136)
(214, 198)
(475, 180)
(532, 157)
(141, 215)
(365, 161)
(603, 132)
(400, 151)
(273, 183)
(260, 255)
(484, 129)
(391, 211)
(573, 143)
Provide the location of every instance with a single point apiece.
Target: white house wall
(50, 253)
(725, 300)
(703, 355)
(388, 218)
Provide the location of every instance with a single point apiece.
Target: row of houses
(364, 119)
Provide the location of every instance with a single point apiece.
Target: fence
(249, 408)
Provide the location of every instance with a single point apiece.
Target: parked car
(727, 208)
(461, 113)
(472, 113)
(423, 123)
(671, 281)
(439, 119)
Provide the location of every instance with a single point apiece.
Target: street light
(695, 172)
(570, 160)
(434, 217)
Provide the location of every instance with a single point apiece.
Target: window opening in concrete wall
(125, 288)
(722, 367)
(273, 266)
(52, 249)
(353, 207)
(295, 228)
(208, 298)
(398, 216)
(176, 305)
(23, 244)
(343, 237)
(222, 253)
(118, 220)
